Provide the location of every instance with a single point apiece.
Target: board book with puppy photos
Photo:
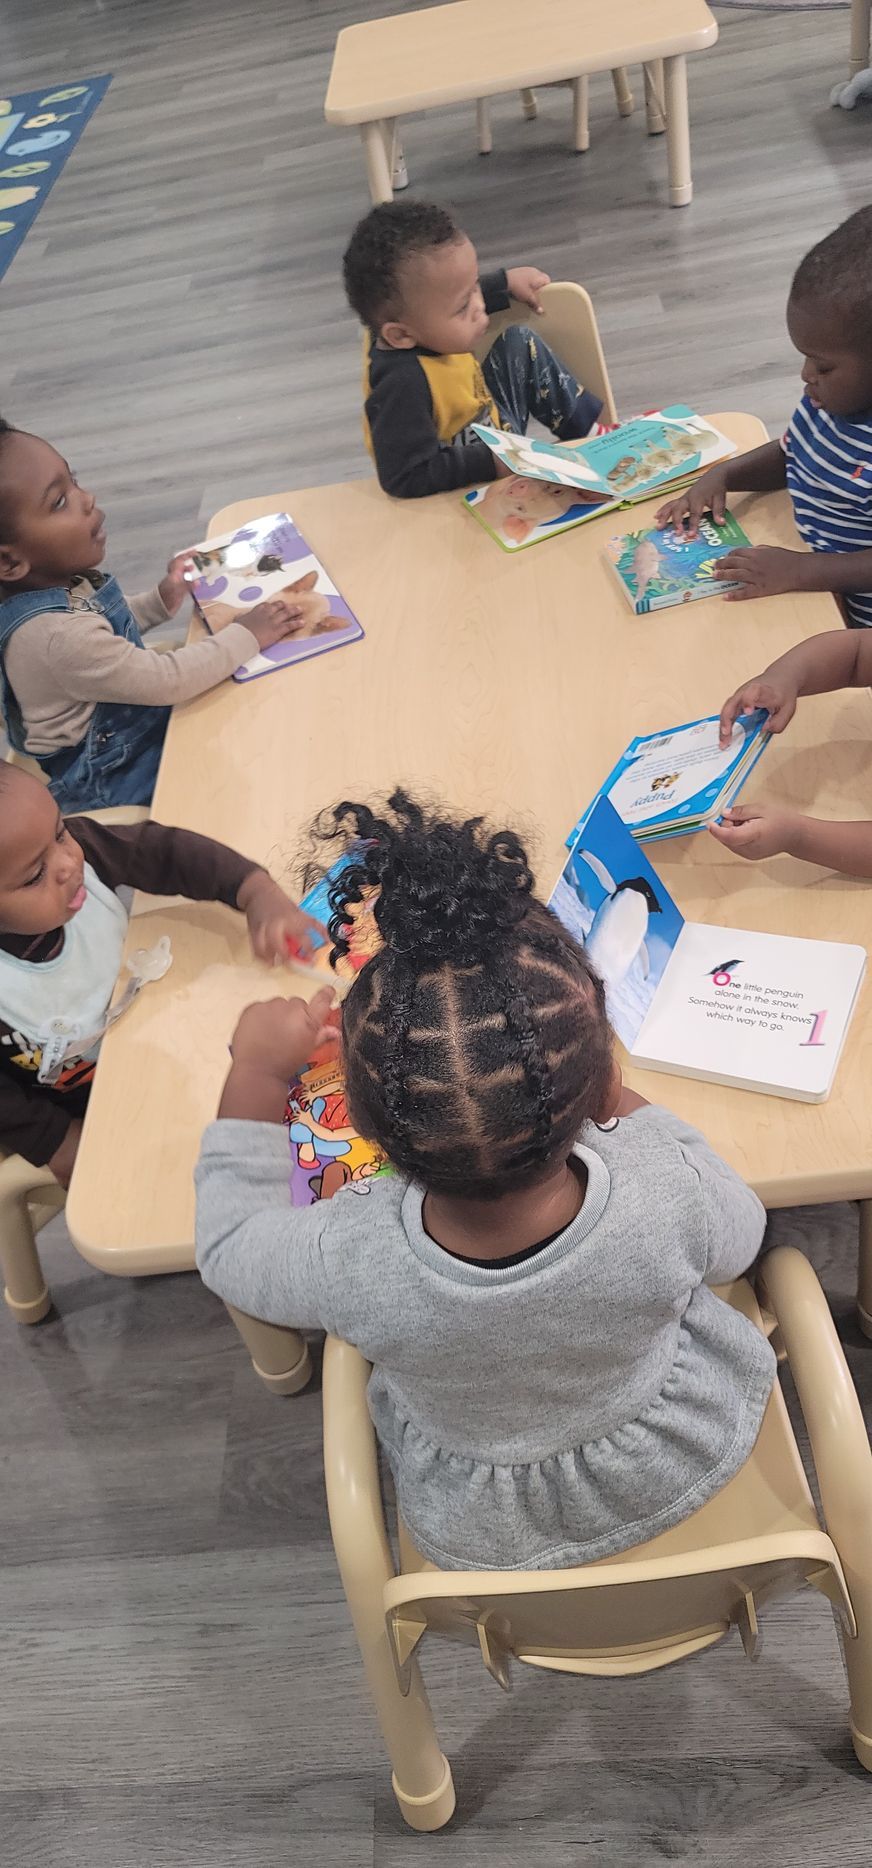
(264, 559)
(671, 783)
(766, 1012)
(554, 486)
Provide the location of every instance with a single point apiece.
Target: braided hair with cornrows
(475, 1040)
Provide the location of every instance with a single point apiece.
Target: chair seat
(758, 1537)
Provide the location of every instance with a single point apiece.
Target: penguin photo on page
(617, 935)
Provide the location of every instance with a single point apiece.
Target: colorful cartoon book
(765, 1012)
(269, 558)
(671, 783)
(658, 569)
(554, 486)
(326, 1151)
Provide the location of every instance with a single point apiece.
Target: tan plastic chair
(568, 323)
(685, 1590)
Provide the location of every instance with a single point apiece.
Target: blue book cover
(679, 780)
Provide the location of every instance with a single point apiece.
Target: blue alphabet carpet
(38, 131)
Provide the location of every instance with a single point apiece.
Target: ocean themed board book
(554, 486)
(263, 559)
(671, 783)
(766, 1012)
(326, 1151)
(657, 569)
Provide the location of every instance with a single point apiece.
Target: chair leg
(655, 107)
(421, 1775)
(623, 94)
(841, 1453)
(280, 1357)
(529, 105)
(25, 1289)
(864, 1268)
(861, 11)
(483, 123)
(580, 124)
(377, 166)
(677, 131)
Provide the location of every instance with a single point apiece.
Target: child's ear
(396, 336)
(12, 566)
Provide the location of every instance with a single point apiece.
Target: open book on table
(269, 558)
(757, 1011)
(556, 485)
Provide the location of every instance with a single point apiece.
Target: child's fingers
(319, 1009)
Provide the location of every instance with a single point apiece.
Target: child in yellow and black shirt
(412, 276)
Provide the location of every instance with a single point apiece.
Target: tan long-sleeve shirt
(62, 662)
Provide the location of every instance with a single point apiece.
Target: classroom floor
(180, 1681)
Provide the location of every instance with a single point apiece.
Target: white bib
(57, 1009)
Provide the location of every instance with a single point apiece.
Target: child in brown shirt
(62, 929)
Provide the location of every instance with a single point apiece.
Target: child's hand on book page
(683, 513)
(272, 621)
(525, 283)
(275, 923)
(762, 571)
(277, 1036)
(756, 830)
(175, 587)
(777, 695)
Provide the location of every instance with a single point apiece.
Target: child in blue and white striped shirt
(825, 458)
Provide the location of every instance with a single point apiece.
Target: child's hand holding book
(275, 923)
(758, 830)
(272, 1043)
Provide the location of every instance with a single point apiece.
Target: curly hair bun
(447, 891)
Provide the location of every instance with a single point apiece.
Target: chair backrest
(613, 1618)
(568, 323)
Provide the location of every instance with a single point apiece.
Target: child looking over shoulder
(79, 690)
(553, 1380)
(62, 929)
(825, 458)
(834, 660)
(411, 274)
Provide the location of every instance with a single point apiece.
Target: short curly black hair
(837, 274)
(387, 236)
(476, 1043)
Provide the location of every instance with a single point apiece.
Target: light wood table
(507, 685)
(384, 69)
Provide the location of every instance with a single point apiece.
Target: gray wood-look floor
(180, 1684)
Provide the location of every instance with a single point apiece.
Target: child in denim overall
(79, 690)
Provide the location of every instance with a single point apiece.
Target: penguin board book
(264, 559)
(553, 485)
(671, 783)
(658, 569)
(765, 1012)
